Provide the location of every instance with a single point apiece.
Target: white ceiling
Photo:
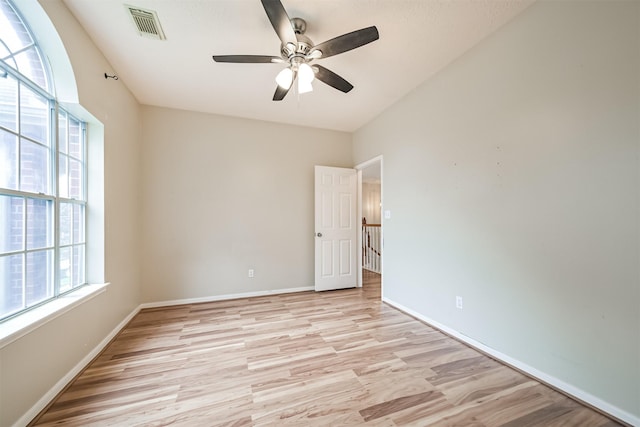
(417, 39)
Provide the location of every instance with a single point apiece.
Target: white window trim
(19, 326)
(66, 97)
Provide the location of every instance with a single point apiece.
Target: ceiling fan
(299, 52)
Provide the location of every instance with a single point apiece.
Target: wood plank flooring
(339, 358)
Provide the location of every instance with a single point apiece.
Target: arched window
(18, 49)
(42, 177)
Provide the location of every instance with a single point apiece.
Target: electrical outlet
(251, 272)
(459, 303)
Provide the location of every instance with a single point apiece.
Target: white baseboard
(64, 381)
(569, 389)
(225, 297)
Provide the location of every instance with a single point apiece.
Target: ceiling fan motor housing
(304, 44)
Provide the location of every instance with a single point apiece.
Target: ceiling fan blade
(332, 79)
(280, 21)
(247, 59)
(282, 92)
(347, 42)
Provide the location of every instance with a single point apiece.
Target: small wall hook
(107, 76)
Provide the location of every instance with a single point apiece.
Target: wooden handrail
(371, 225)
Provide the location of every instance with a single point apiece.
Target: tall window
(42, 178)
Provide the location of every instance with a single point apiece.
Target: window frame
(53, 194)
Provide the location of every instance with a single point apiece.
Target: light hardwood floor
(308, 359)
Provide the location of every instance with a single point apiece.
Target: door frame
(359, 167)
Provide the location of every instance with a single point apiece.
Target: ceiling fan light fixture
(285, 78)
(304, 86)
(305, 73)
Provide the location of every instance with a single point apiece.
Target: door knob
(319, 234)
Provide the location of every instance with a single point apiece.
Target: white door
(336, 228)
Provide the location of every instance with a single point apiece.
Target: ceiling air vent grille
(146, 22)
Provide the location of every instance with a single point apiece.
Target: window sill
(19, 326)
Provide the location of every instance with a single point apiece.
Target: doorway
(370, 213)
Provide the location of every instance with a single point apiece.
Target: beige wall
(32, 365)
(222, 195)
(512, 178)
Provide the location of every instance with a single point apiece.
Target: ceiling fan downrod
(302, 47)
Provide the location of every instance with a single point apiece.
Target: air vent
(146, 22)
